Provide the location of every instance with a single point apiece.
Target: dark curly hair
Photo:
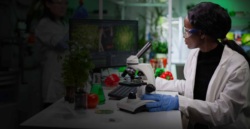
(211, 19)
(214, 21)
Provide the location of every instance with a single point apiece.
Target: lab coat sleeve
(226, 108)
(177, 85)
(170, 85)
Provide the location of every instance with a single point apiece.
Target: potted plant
(76, 67)
(159, 49)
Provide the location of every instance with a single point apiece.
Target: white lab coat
(48, 34)
(227, 99)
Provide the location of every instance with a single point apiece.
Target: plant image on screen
(88, 35)
(124, 38)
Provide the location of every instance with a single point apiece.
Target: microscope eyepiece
(144, 49)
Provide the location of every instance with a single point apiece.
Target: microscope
(144, 81)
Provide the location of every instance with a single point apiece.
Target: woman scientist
(51, 34)
(215, 93)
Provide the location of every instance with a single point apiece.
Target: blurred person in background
(81, 12)
(51, 36)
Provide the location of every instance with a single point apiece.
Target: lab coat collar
(214, 86)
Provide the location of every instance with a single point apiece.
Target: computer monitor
(111, 41)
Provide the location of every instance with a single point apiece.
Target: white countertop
(62, 115)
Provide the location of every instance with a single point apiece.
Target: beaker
(96, 88)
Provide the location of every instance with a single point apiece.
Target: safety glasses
(188, 32)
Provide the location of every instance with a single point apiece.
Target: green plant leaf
(76, 65)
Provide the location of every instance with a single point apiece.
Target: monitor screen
(111, 41)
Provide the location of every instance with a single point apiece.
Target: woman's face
(58, 7)
(192, 37)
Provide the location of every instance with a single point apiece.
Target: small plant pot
(70, 94)
(81, 101)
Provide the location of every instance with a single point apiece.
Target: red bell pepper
(112, 80)
(167, 75)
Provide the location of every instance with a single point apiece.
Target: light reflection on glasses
(188, 32)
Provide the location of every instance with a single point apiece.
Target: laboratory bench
(63, 115)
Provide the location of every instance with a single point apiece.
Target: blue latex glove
(163, 102)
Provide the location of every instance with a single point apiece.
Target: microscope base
(133, 105)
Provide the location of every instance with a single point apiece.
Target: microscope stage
(132, 84)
